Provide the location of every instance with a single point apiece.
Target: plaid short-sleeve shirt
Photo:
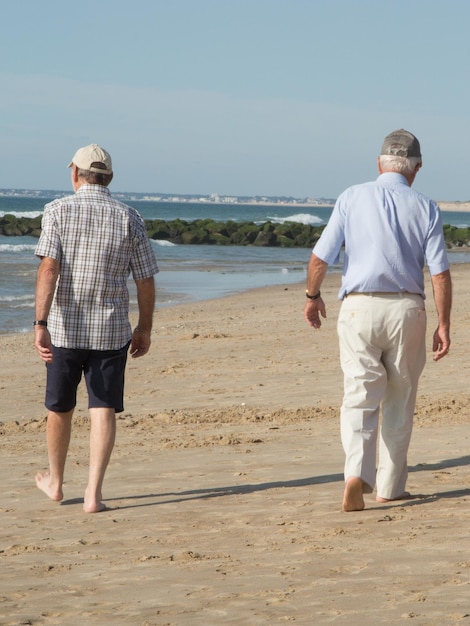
(98, 243)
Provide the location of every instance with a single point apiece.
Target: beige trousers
(382, 351)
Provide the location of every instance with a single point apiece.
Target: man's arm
(140, 343)
(442, 291)
(315, 275)
(46, 280)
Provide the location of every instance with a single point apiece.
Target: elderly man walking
(389, 233)
(89, 245)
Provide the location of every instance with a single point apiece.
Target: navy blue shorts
(104, 376)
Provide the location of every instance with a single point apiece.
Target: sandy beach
(224, 490)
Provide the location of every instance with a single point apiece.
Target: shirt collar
(392, 179)
(86, 188)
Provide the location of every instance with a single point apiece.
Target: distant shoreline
(455, 207)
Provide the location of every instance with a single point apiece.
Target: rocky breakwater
(207, 231)
(231, 233)
(12, 226)
(203, 231)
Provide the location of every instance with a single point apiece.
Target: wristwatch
(40, 323)
(315, 297)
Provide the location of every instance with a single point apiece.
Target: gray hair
(94, 178)
(401, 165)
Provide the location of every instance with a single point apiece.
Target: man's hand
(314, 308)
(42, 343)
(442, 291)
(46, 280)
(440, 343)
(312, 311)
(140, 343)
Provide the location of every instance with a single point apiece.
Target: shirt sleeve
(328, 247)
(435, 250)
(49, 244)
(143, 262)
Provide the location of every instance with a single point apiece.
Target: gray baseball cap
(401, 143)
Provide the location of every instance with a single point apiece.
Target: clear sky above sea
(236, 97)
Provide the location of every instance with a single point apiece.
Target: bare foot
(404, 496)
(95, 508)
(93, 504)
(353, 499)
(43, 482)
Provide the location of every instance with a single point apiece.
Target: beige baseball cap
(86, 156)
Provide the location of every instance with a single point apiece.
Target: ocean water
(187, 273)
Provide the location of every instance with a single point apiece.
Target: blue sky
(242, 97)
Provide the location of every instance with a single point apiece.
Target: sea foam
(29, 214)
(300, 218)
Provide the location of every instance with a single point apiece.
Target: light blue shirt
(389, 231)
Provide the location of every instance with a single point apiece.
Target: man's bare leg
(353, 499)
(102, 437)
(58, 429)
